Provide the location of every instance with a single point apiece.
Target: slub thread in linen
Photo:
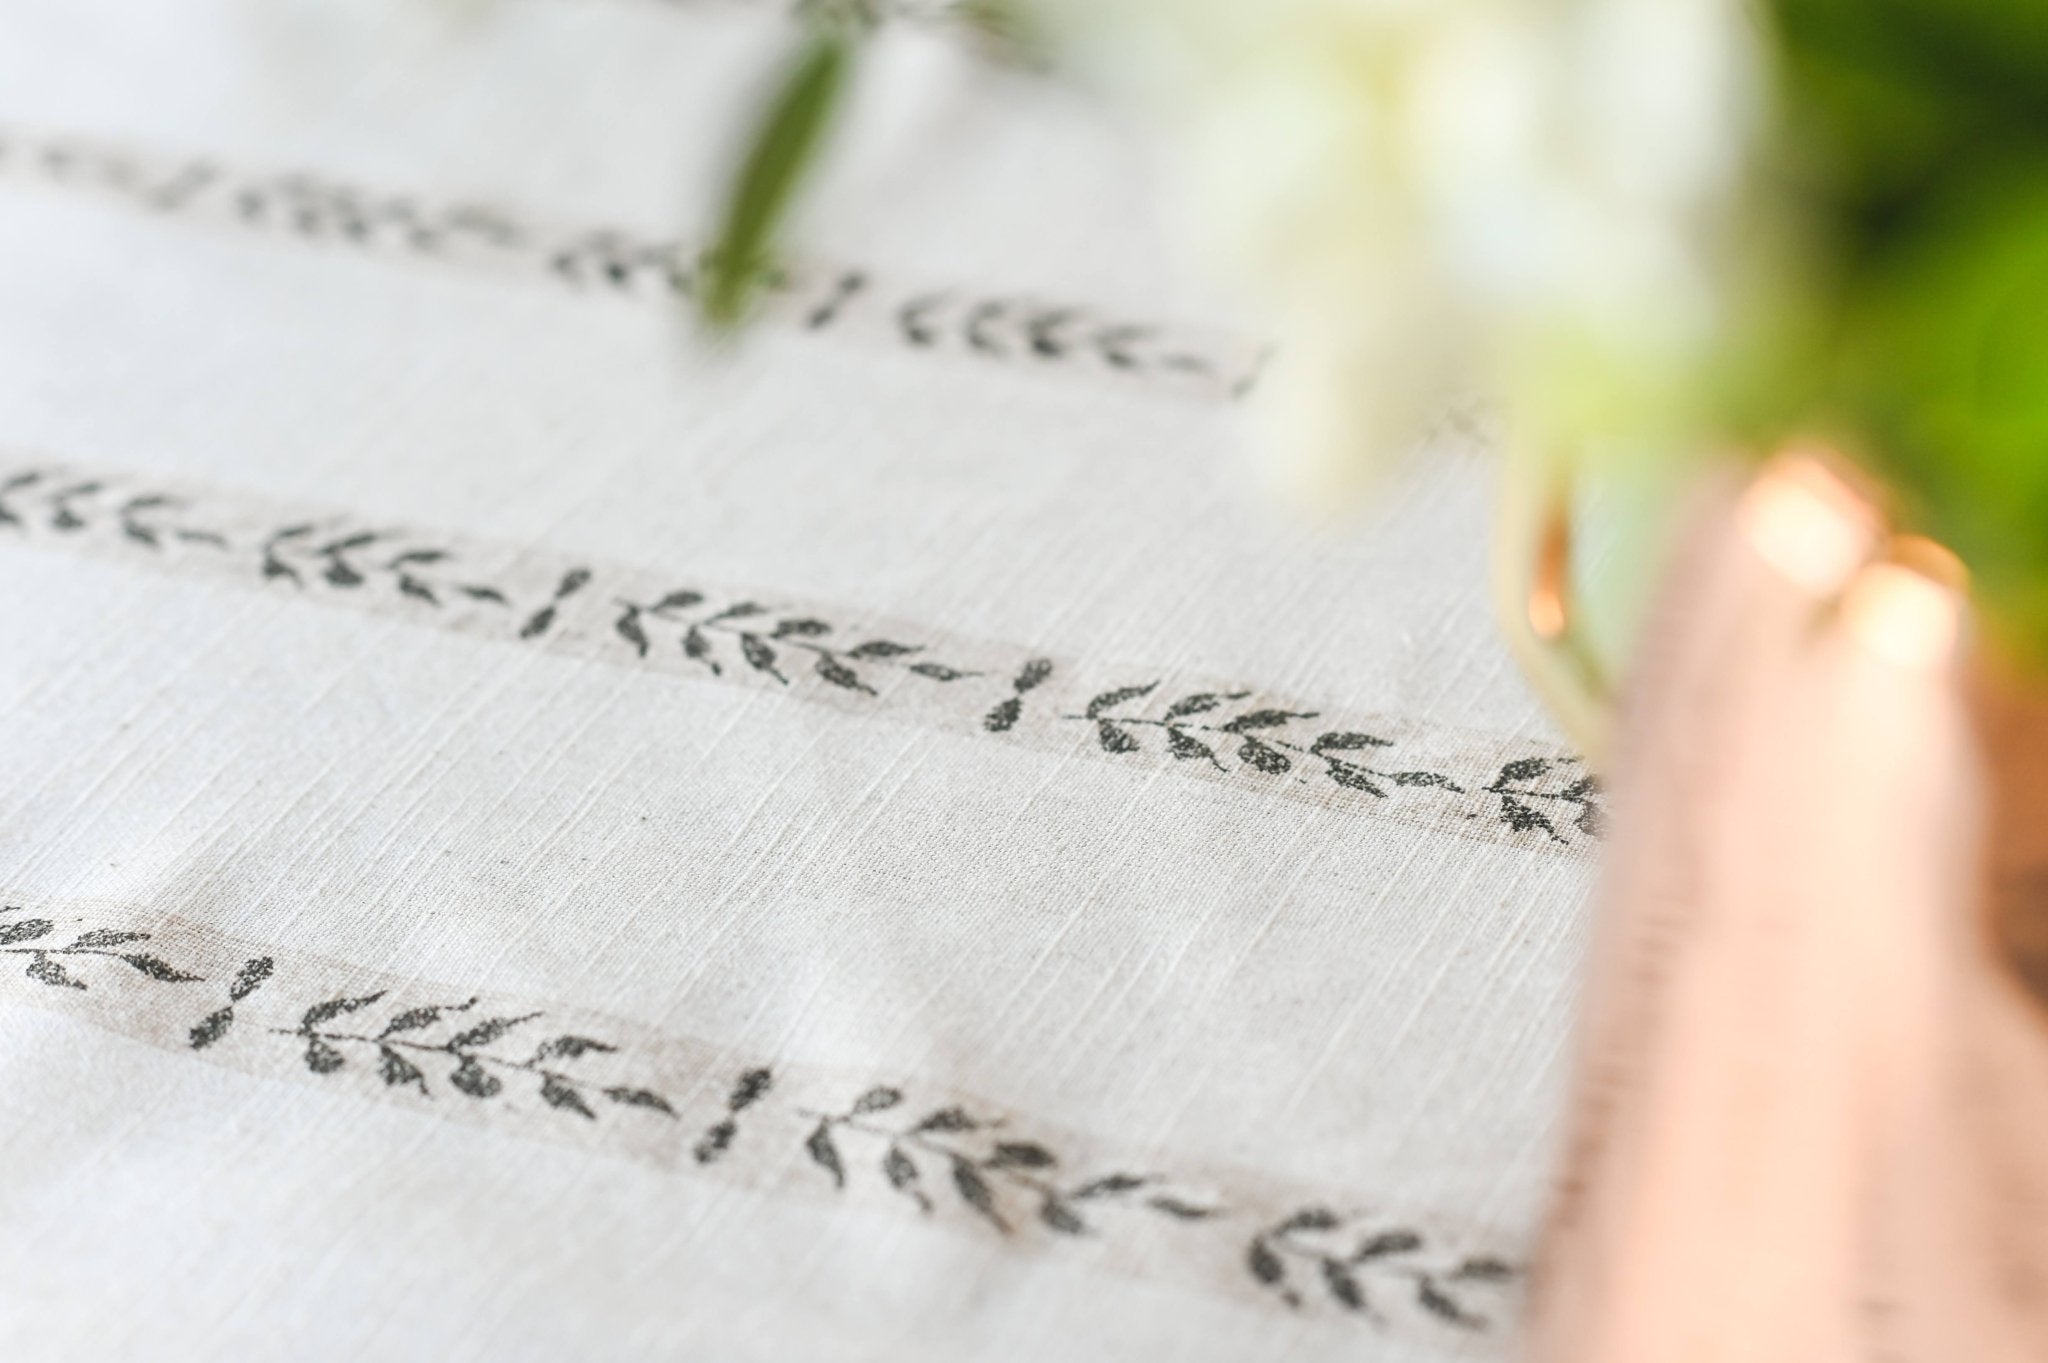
(1466, 785)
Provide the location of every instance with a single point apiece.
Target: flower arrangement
(1650, 228)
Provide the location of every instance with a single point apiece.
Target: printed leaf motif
(211, 1028)
(1262, 719)
(1021, 1155)
(413, 587)
(825, 1154)
(1199, 703)
(1109, 1185)
(478, 592)
(1264, 1264)
(1586, 787)
(159, 969)
(1343, 1285)
(1032, 675)
(25, 930)
(1062, 1218)
(487, 1031)
(322, 1058)
(714, 1142)
(752, 1087)
(1440, 1304)
(1424, 778)
(538, 622)
(759, 656)
(395, 1069)
(1109, 700)
(412, 1019)
(628, 626)
(1524, 819)
(1346, 741)
(839, 674)
(340, 574)
(802, 628)
(1352, 778)
(46, 971)
(555, 1093)
(902, 1173)
(880, 648)
(473, 1079)
(974, 1190)
(1174, 1207)
(334, 1008)
(573, 581)
(1267, 759)
(698, 648)
(569, 1047)
(1386, 1243)
(877, 1099)
(1004, 716)
(1310, 1218)
(1484, 1269)
(676, 601)
(1184, 745)
(939, 672)
(632, 1097)
(1524, 769)
(1114, 739)
(100, 937)
(947, 1119)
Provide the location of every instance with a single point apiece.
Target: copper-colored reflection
(1549, 616)
(2012, 710)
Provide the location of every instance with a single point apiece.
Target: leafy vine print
(1517, 797)
(322, 211)
(941, 1159)
(1357, 1264)
(764, 641)
(986, 1171)
(1193, 730)
(717, 1139)
(46, 962)
(405, 1043)
(1232, 733)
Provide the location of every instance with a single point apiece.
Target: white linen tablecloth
(524, 839)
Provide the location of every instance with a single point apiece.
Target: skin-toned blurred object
(1813, 1078)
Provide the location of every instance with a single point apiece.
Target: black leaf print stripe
(319, 211)
(1467, 785)
(567, 1075)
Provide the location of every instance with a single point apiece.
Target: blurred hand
(1812, 1114)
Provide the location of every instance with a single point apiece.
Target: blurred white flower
(1421, 197)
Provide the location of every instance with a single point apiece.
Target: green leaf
(782, 150)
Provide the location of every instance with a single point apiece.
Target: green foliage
(1911, 160)
(1944, 361)
(784, 147)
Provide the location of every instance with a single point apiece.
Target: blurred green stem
(787, 142)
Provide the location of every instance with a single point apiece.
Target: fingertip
(1806, 519)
